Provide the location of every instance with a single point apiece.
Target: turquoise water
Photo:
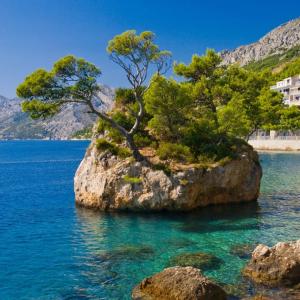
(49, 249)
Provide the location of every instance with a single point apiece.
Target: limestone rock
(100, 183)
(275, 266)
(277, 41)
(178, 283)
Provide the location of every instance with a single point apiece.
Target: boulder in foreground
(275, 266)
(178, 283)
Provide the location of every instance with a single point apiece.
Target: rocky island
(165, 145)
(104, 181)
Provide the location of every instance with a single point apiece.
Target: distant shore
(63, 140)
(275, 145)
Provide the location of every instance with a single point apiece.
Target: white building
(290, 88)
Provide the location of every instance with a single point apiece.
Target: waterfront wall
(276, 144)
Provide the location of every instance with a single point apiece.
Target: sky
(35, 33)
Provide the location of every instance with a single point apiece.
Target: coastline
(275, 145)
(269, 151)
(55, 140)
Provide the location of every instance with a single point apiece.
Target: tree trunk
(128, 135)
(134, 149)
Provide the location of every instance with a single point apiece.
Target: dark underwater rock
(180, 242)
(178, 283)
(236, 291)
(242, 250)
(203, 261)
(127, 252)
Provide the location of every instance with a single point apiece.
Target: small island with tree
(168, 144)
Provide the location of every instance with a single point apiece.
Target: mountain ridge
(277, 41)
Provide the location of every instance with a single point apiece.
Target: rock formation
(178, 283)
(277, 41)
(276, 266)
(101, 182)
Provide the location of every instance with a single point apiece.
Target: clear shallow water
(51, 250)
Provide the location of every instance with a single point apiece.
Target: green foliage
(70, 77)
(124, 97)
(85, 133)
(198, 119)
(162, 167)
(290, 69)
(129, 49)
(38, 109)
(272, 113)
(274, 60)
(200, 66)
(74, 80)
(233, 118)
(101, 126)
(142, 140)
(177, 152)
(167, 102)
(104, 145)
(289, 119)
(123, 119)
(132, 180)
(70, 80)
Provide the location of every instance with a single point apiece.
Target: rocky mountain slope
(14, 124)
(278, 41)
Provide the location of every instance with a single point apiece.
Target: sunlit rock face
(276, 41)
(100, 183)
(178, 283)
(275, 266)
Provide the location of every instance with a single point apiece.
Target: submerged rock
(100, 183)
(180, 242)
(199, 260)
(127, 252)
(242, 250)
(178, 283)
(282, 294)
(235, 290)
(275, 266)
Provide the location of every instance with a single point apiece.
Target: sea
(51, 249)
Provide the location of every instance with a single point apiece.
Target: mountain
(14, 124)
(277, 42)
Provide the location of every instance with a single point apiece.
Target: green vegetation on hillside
(290, 69)
(204, 117)
(275, 60)
(276, 68)
(85, 133)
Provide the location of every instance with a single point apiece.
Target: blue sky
(35, 33)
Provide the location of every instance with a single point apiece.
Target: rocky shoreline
(276, 267)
